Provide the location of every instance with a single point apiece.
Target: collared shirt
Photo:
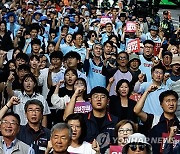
(19, 109)
(37, 139)
(8, 150)
(81, 51)
(152, 104)
(159, 125)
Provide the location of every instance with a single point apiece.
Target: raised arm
(59, 102)
(13, 101)
(70, 107)
(9, 85)
(49, 78)
(140, 104)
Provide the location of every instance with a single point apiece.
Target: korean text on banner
(134, 45)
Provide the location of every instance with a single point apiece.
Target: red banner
(135, 97)
(115, 149)
(157, 48)
(134, 45)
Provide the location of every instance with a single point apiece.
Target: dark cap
(99, 89)
(167, 53)
(165, 12)
(72, 54)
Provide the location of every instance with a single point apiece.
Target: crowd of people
(79, 78)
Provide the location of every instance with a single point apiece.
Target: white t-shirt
(85, 148)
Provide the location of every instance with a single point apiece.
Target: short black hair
(24, 67)
(36, 41)
(159, 66)
(167, 93)
(110, 42)
(79, 116)
(56, 54)
(72, 54)
(75, 34)
(12, 114)
(34, 56)
(34, 26)
(124, 52)
(34, 102)
(71, 70)
(23, 56)
(167, 53)
(99, 89)
(149, 42)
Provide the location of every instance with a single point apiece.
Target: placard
(157, 48)
(82, 107)
(130, 27)
(104, 20)
(165, 138)
(135, 96)
(133, 45)
(115, 149)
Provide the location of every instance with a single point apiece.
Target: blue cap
(153, 27)
(42, 18)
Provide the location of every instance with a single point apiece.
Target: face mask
(112, 61)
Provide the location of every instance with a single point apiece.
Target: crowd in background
(109, 71)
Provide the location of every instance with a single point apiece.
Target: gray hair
(62, 126)
(34, 102)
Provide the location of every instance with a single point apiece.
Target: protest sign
(104, 20)
(130, 27)
(133, 45)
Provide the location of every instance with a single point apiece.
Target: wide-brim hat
(134, 56)
(137, 138)
(35, 13)
(9, 14)
(175, 60)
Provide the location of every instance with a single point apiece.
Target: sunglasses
(141, 147)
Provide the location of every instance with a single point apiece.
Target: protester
(98, 121)
(137, 143)
(78, 145)
(61, 137)
(103, 41)
(157, 125)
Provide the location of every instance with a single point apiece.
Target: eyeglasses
(157, 72)
(150, 47)
(122, 58)
(7, 123)
(36, 110)
(96, 96)
(141, 147)
(122, 131)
